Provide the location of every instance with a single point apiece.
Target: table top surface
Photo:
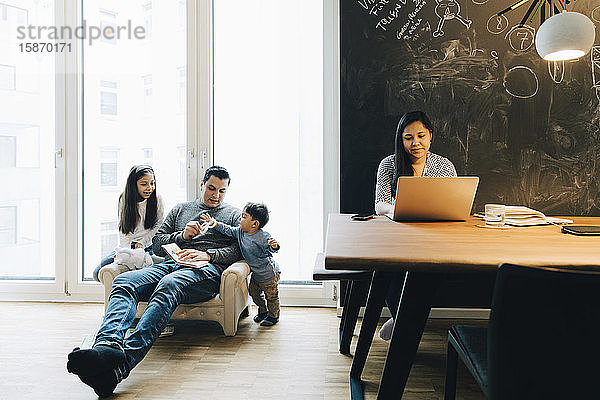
(453, 246)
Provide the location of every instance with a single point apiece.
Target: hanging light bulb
(565, 36)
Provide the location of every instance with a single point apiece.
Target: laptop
(425, 198)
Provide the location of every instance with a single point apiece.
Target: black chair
(356, 295)
(542, 340)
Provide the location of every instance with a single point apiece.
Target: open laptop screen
(424, 198)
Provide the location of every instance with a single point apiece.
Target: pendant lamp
(565, 36)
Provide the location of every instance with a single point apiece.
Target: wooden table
(427, 252)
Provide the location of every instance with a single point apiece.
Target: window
(108, 167)
(8, 77)
(181, 13)
(109, 236)
(8, 151)
(108, 103)
(182, 90)
(8, 226)
(108, 174)
(182, 166)
(147, 7)
(108, 22)
(284, 77)
(108, 97)
(137, 77)
(147, 156)
(147, 83)
(109, 84)
(28, 218)
(13, 15)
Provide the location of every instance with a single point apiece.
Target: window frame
(68, 285)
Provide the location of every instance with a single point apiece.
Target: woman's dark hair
(402, 165)
(130, 198)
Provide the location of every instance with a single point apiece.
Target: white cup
(495, 214)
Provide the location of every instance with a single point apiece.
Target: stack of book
(524, 216)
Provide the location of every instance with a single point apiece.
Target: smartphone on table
(581, 230)
(362, 217)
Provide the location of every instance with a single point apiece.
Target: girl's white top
(141, 234)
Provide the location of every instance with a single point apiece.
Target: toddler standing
(257, 247)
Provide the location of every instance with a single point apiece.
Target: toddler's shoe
(269, 321)
(260, 316)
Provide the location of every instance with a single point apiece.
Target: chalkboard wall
(530, 129)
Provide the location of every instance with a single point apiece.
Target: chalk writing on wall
(497, 24)
(529, 128)
(595, 63)
(521, 38)
(447, 10)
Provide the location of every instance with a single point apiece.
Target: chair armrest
(107, 275)
(234, 276)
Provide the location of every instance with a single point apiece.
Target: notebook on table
(425, 198)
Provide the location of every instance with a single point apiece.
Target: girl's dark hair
(130, 197)
(402, 165)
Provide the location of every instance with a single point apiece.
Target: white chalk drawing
(447, 10)
(480, 2)
(513, 82)
(596, 14)
(595, 56)
(521, 38)
(497, 24)
(556, 69)
(494, 54)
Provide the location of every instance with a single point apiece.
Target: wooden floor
(295, 359)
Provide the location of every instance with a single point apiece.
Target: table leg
(379, 287)
(358, 290)
(417, 296)
(344, 312)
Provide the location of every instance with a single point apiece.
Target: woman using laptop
(411, 158)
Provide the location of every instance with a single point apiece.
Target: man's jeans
(164, 286)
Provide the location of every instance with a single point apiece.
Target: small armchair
(542, 338)
(225, 308)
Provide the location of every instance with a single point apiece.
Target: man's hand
(192, 228)
(193, 255)
(273, 243)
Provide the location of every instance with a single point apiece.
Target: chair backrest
(544, 333)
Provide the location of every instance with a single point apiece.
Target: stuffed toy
(132, 258)
(206, 226)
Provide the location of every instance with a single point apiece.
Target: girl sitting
(141, 213)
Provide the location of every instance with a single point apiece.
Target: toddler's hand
(205, 217)
(273, 243)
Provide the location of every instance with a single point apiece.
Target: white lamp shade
(565, 36)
